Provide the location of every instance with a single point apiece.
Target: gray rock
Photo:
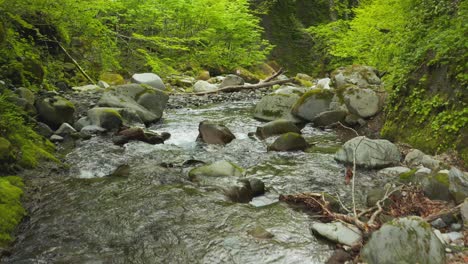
(452, 237)
(92, 130)
(312, 103)
(43, 130)
(362, 76)
(415, 158)
(429, 162)
(464, 213)
(456, 227)
(438, 223)
(422, 172)
(370, 153)
(105, 117)
(218, 169)
(147, 103)
(436, 186)
(338, 232)
(329, 117)
(213, 133)
(82, 122)
(289, 142)
(276, 127)
(287, 89)
(230, 80)
(458, 184)
(324, 83)
(405, 240)
(362, 102)
(352, 119)
(204, 86)
(276, 106)
(56, 138)
(26, 94)
(55, 110)
(103, 84)
(65, 129)
(392, 171)
(150, 79)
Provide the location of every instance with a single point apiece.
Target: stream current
(156, 215)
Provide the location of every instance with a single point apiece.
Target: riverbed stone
(147, 102)
(65, 130)
(359, 75)
(289, 142)
(150, 79)
(214, 133)
(43, 129)
(204, 86)
(362, 102)
(370, 153)
(230, 80)
(329, 117)
(55, 110)
(221, 168)
(458, 184)
(276, 106)
(338, 232)
(392, 171)
(276, 127)
(404, 240)
(312, 103)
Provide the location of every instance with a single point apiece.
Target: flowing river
(156, 215)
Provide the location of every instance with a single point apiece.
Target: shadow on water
(156, 215)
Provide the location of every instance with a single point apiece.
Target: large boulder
(204, 86)
(362, 102)
(329, 117)
(105, 117)
(289, 142)
(338, 232)
(150, 79)
(436, 186)
(148, 103)
(55, 110)
(276, 127)
(213, 133)
(362, 76)
(276, 106)
(370, 153)
(458, 184)
(312, 103)
(218, 169)
(405, 240)
(231, 80)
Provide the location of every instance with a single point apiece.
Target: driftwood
(233, 88)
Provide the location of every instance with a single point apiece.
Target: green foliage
(28, 146)
(11, 211)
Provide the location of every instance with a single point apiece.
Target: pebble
(438, 223)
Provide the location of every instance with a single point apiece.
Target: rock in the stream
(55, 110)
(218, 169)
(148, 103)
(105, 117)
(362, 102)
(65, 129)
(245, 190)
(458, 184)
(464, 213)
(212, 133)
(150, 79)
(276, 106)
(204, 86)
(312, 103)
(370, 153)
(289, 142)
(338, 232)
(138, 134)
(405, 240)
(329, 117)
(362, 76)
(392, 171)
(276, 127)
(230, 80)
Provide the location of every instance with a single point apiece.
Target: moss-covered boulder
(458, 185)
(276, 127)
(55, 110)
(361, 76)
(112, 78)
(214, 133)
(276, 106)
(370, 153)
(405, 240)
(289, 142)
(312, 104)
(105, 117)
(11, 210)
(329, 117)
(149, 103)
(218, 169)
(436, 186)
(362, 102)
(5, 149)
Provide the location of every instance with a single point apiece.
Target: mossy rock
(5, 149)
(408, 176)
(105, 117)
(276, 127)
(289, 142)
(55, 111)
(276, 106)
(11, 210)
(112, 78)
(312, 104)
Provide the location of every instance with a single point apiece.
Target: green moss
(5, 149)
(112, 78)
(112, 112)
(316, 93)
(11, 210)
(442, 178)
(407, 176)
(302, 82)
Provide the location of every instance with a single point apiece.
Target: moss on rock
(11, 210)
